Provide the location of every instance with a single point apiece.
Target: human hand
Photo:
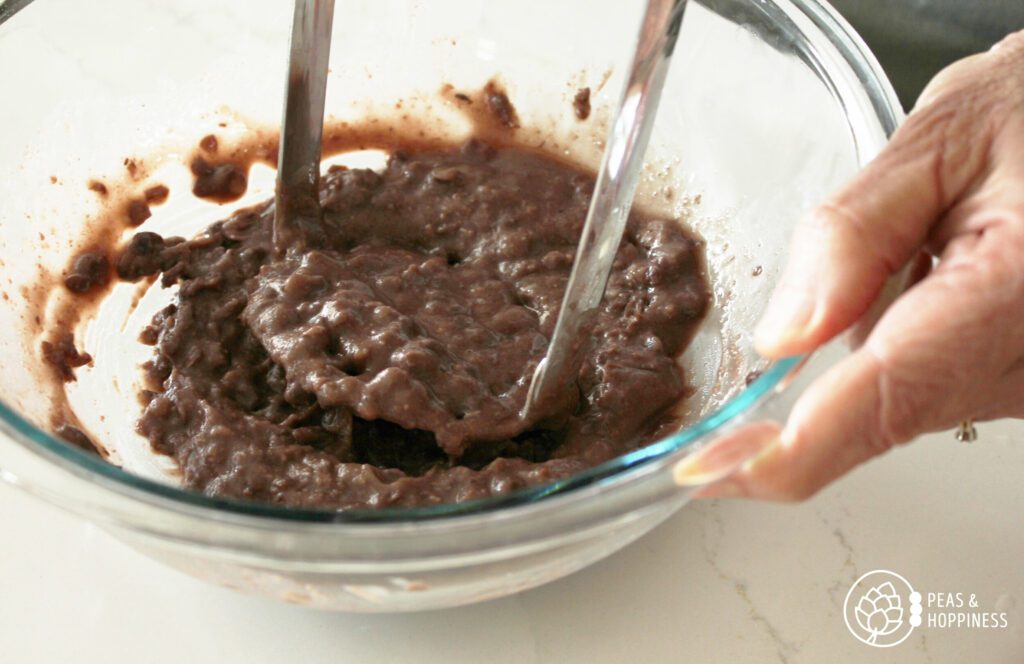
(950, 185)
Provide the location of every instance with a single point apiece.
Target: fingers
(843, 252)
(949, 349)
(1002, 193)
(725, 454)
(917, 269)
(813, 450)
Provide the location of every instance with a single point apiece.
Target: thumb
(844, 251)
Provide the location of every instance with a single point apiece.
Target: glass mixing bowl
(768, 106)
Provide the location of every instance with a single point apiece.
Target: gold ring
(966, 432)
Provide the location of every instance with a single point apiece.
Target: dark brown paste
(384, 358)
(499, 106)
(581, 104)
(64, 357)
(223, 182)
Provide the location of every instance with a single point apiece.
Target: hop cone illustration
(879, 612)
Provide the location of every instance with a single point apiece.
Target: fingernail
(739, 484)
(787, 316)
(693, 471)
(724, 455)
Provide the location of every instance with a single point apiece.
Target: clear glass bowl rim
(886, 106)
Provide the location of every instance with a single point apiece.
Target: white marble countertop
(720, 582)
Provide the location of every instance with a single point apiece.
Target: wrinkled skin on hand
(947, 196)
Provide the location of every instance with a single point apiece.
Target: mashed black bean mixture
(384, 357)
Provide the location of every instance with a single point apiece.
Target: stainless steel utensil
(609, 207)
(302, 124)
